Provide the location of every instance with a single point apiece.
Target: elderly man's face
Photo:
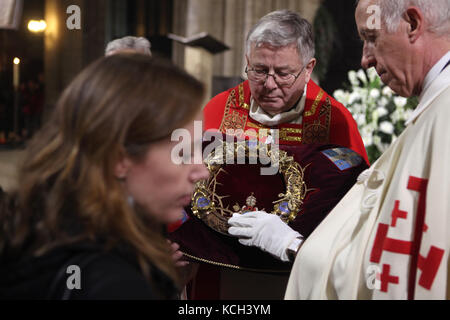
(389, 53)
(269, 95)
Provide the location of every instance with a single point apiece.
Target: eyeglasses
(283, 79)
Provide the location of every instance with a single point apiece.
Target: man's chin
(400, 90)
(271, 109)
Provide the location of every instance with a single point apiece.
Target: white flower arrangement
(378, 111)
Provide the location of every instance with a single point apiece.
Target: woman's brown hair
(116, 107)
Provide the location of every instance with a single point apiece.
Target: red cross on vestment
(428, 265)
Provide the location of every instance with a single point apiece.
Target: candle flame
(37, 26)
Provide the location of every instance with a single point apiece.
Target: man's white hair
(129, 43)
(283, 28)
(436, 12)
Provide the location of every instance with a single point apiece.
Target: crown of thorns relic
(208, 205)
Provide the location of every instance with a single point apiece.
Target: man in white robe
(389, 237)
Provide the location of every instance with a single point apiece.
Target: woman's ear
(122, 167)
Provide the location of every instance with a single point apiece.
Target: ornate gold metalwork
(232, 119)
(256, 126)
(208, 206)
(319, 130)
(315, 104)
(292, 130)
(242, 98)
(286, 134)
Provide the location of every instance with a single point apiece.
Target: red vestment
(325, 121)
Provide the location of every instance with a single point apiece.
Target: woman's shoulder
(100, 275)
(106, 275)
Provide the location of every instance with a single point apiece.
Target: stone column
(202, 16)
(67, 52)
(234, 36)
(179, 28)
(63, 51)
(141, 28)
(199, 63)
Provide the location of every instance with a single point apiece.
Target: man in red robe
(316, 118)
(316, 130)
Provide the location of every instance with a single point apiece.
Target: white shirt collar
(293, 116)
(429, 79)
(435, 71)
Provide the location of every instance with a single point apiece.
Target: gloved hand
(265, 231)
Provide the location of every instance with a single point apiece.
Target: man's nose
(270, 82)
(368, 59)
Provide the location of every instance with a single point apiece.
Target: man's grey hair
(138, 44)
(283, 28)
(436, 12)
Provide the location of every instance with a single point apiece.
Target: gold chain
(225, 265)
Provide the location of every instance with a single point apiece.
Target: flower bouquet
(378, 111)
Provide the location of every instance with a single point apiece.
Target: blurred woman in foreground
(98, 186)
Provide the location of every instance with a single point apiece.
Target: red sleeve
(345, 130)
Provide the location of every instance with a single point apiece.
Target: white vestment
(389, 237)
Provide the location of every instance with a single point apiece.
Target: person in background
(279, 96)
(98, 187)
(129, 44)
(389, 238)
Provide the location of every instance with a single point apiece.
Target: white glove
(265, 231)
